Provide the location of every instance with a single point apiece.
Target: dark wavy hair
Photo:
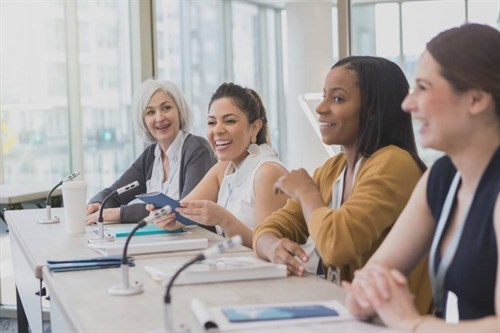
(469, 57)
(382, 122)
(249, 102)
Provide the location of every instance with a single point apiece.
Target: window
(399, 31)
(202, 44)
(33, 102)
(35, 95)
(105, 91)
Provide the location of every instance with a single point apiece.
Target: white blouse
(171, 186)
(236, 193)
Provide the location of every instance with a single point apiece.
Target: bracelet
(417, 323)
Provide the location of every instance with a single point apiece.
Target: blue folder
(86, 263)
(160, 200)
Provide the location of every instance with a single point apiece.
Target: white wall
(310, 56)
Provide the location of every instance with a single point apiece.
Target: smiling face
(229, 131)
(340, 108)
(441, 111)
(162, 119)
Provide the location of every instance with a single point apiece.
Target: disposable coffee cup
(75, 206)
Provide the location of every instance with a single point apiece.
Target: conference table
(24, 196)
(79, 300)
(13, 196)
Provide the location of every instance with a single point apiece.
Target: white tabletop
(80, 299)
(42, 242)
(12, 194)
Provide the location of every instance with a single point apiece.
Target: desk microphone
(100, 221)
(208, 253)
(55, 219)
(125, 288)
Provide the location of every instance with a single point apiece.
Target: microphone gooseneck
(48, 205)
(100, 220)
(208, 253)
(125, 288)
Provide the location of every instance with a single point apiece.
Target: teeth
(222, 142)
(322, 123)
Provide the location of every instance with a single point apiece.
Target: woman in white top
(237, 193)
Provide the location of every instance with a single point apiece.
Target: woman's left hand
(398, 309)
(203, 211)
(108, 215)
(295, 183)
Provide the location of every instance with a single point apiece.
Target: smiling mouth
(222, 143)
(323, 124)
(162, 127)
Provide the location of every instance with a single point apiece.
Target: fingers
(277, 185)
(150, 207)
(290, 254)
(93, 207)
(398, 277)
(167, 222)
(92, 219)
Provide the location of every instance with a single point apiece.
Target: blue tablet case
(260, 313)
(159, 200)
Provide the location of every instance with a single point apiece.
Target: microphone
(55, 219)
(100, 221)
(125, 288)
(208, 253)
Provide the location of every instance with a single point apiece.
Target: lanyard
(438, 275)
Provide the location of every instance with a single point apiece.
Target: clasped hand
(378, 290)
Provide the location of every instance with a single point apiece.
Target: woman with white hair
(174, 163)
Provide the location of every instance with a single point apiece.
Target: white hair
(141, 100)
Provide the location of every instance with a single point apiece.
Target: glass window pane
(387, 30)
(190, 51)
(485, 12)
(33, 95)
(105, 91)
(416, 33)
(245, 32)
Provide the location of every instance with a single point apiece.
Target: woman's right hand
(290, 254)
(167, 222)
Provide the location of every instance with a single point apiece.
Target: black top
(196, 159)
(472, 271)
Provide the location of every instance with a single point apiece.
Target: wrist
(311, 194)
(417, 323)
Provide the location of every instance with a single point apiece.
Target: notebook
(150, 244)
(149, 229)
(218, 270)
(264, 316)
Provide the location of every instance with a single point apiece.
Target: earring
(253, 148)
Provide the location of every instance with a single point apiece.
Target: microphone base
(122, 290)
(54, 219)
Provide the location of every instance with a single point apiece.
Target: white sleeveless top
(236, 192)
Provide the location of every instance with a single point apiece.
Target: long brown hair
(469, 57)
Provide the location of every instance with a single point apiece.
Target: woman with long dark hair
(338, 218)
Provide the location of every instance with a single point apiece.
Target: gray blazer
(196, 159)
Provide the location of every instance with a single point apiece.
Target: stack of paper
(149, 244)
(218, 270)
